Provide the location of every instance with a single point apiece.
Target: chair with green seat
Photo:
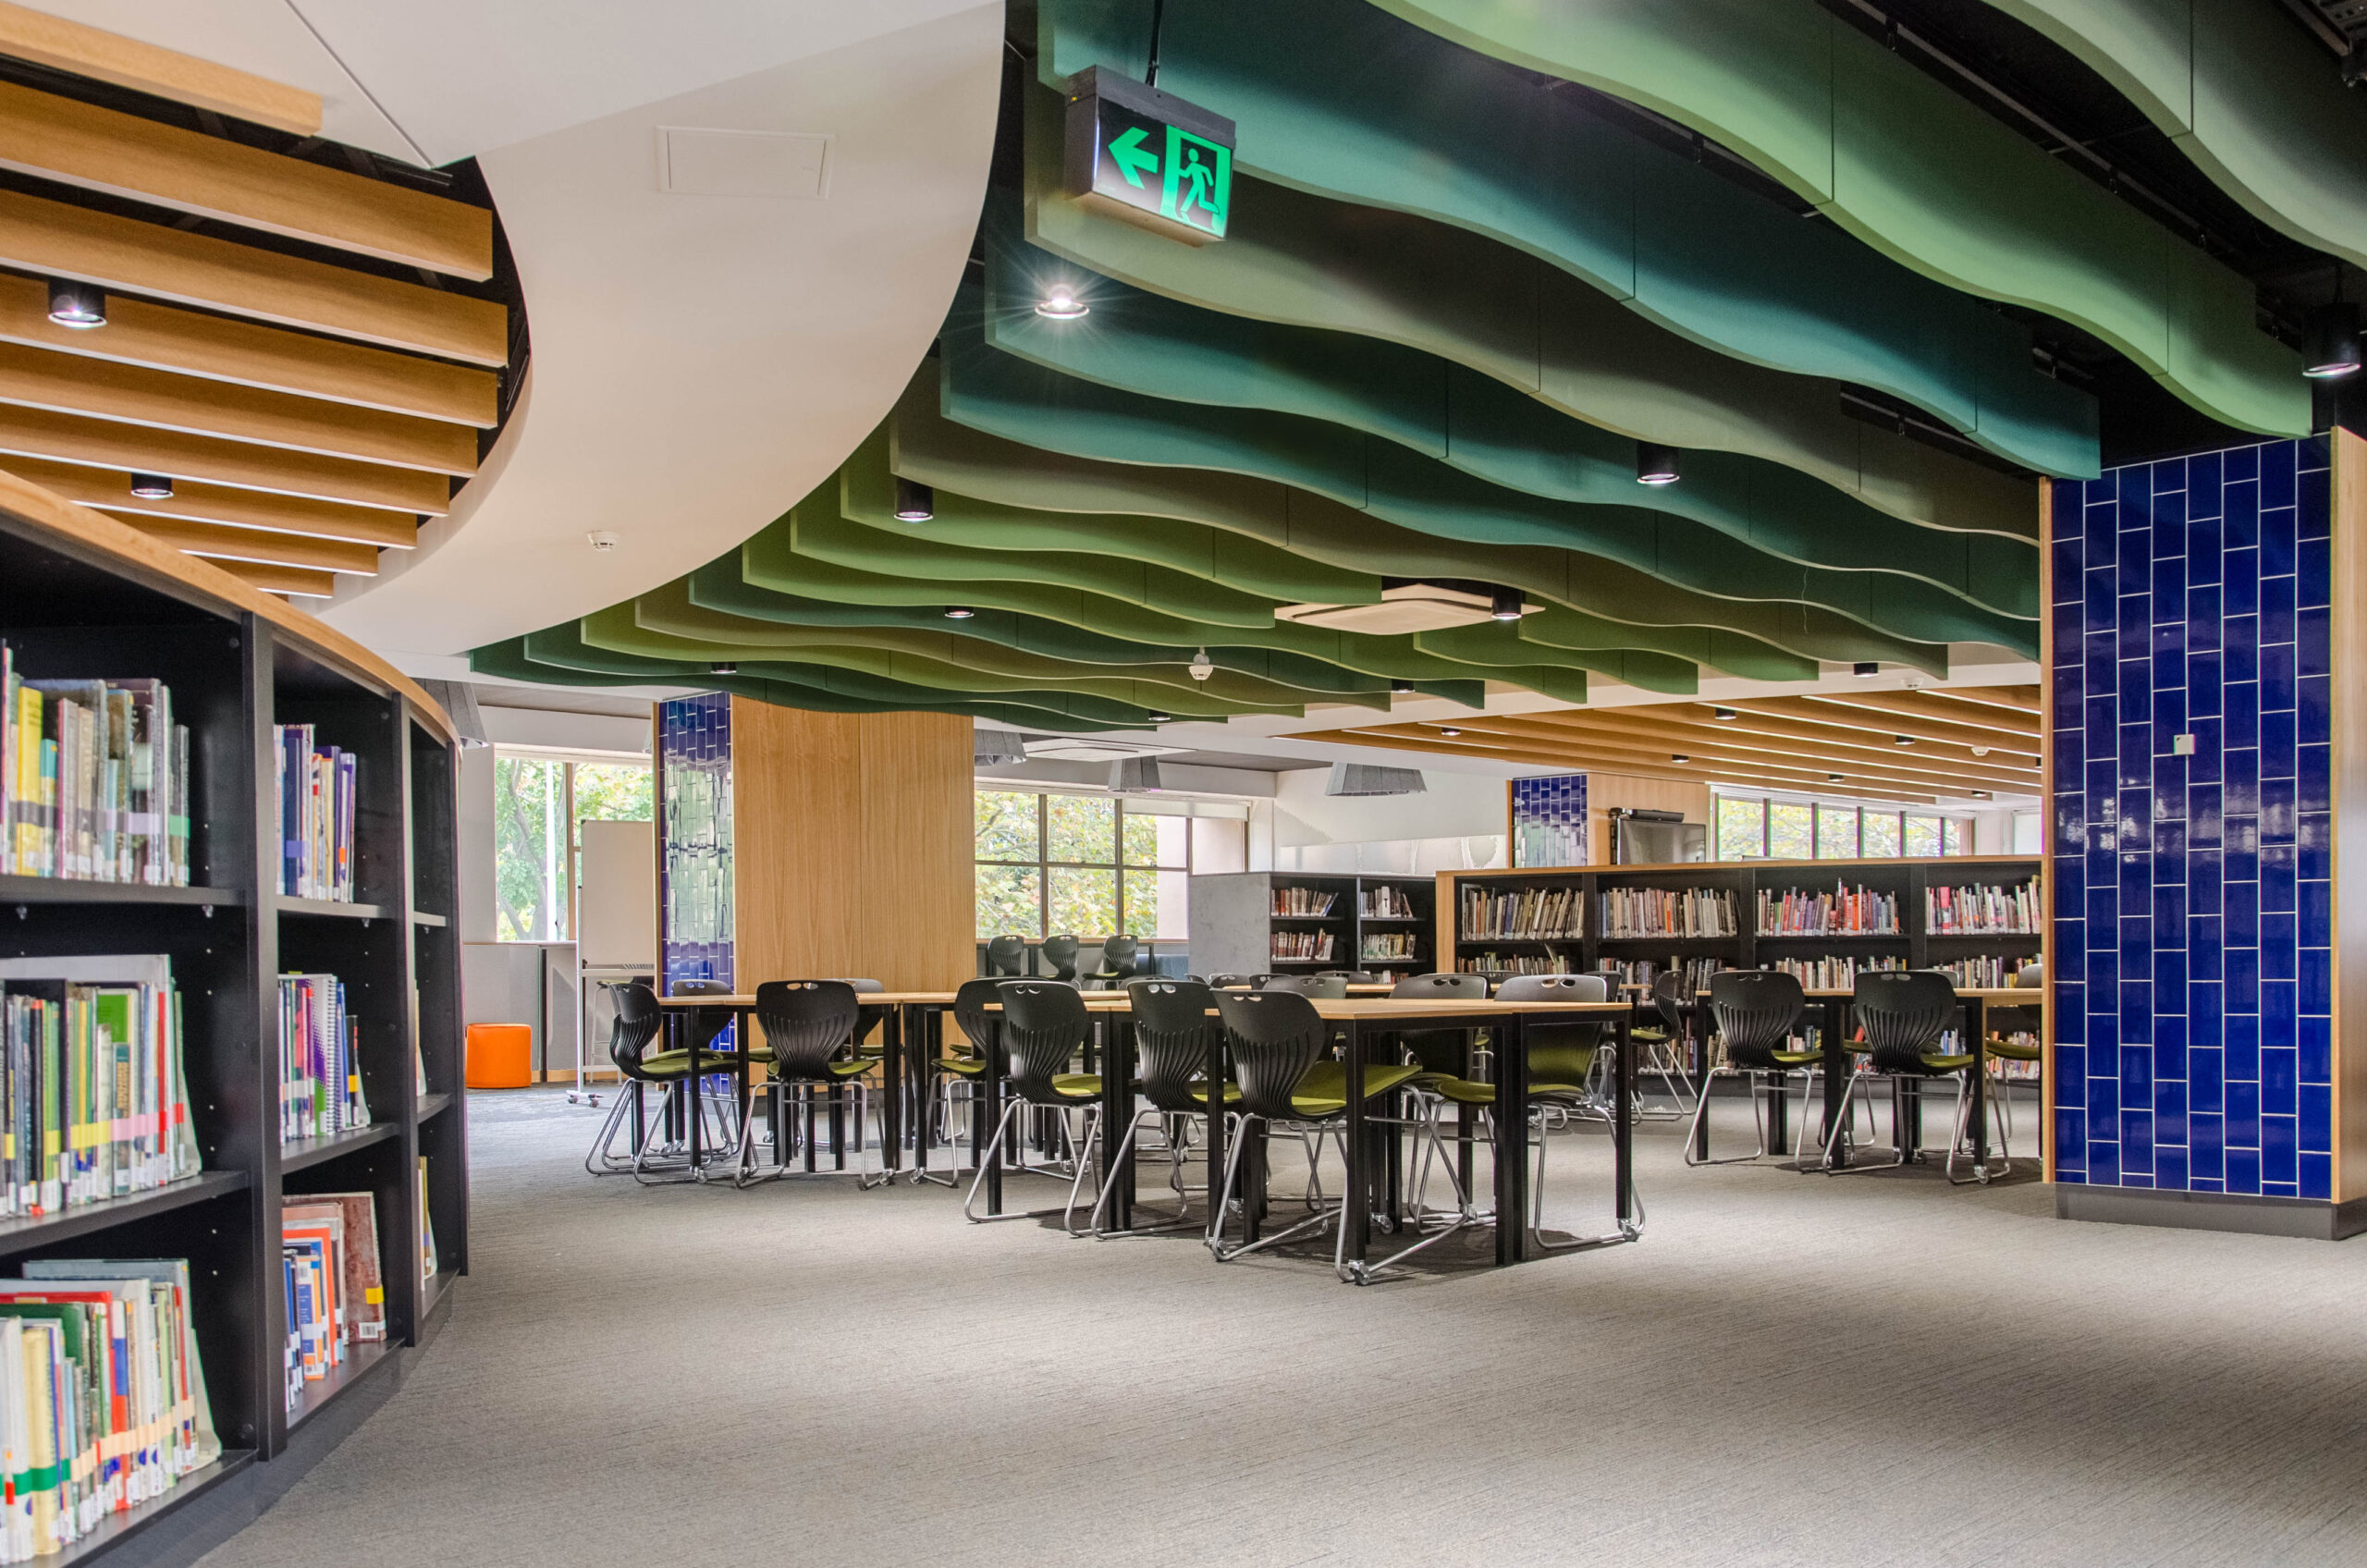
(1058, 953)
(1174, 1035)
(637, 1022)
(1043, 1024)
(809, 1031)
(1657, 1048)
(1998, 1049)
(1756, 1010)
(953, 1077)
(706, 1025)
(1902, 1015)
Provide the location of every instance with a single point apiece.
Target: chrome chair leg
(1083, 1164)
(990, 1156)
(1981, 1174)
(1693, 1133)
(1860, 1079)
(599, 1162)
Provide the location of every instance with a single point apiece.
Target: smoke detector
(601, 539)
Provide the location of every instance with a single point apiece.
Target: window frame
(569, 761)
(1952, 825)
(1044, 864)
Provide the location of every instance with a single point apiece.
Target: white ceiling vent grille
(692, 162)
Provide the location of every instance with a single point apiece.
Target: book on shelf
(427, 1264)
(1526, 915)
(103, 1403)
(1304, 903)
(1302, 946)
(93, 779)
(93, 1097)
(1382, 901)
(1539, 963)
(1834, 973)
(328, 1252)
(1381, 946)
(320, 1066)
(316, 808)
(1689, 914)
(1845, 911)
(1981, 910)
(1983, 973)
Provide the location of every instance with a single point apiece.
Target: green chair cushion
(1077, 1086)
(1232, 1093)
(2014, 1050)
(968, 1066)
(1465, 1092)
(1329, 1081)
(1797, 1059)
(1935, 1062)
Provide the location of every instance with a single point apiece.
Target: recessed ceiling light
(1902, 740)
(915, 502)
(1505, 605)
(1060, 303)
(1866, 669)
(1980, 795)
(1721, 715)
(1655, 464)
(1832, 778)
(726, 667)
(1163, 717)
(959, 612)
(601, 539)
(1678, 757)
(1449, 730)
(78, 305)
(152, 487)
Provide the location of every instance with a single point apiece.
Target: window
(1791, 830)
(1836, 832)
(539, 805)
(1091, 866)
(1742, 828)
(1751, 827)
(1878, 832)
(1923, 836)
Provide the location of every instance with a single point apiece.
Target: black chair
(1440, 1051)
(1278, 1045)
(637, 1024)
(1756, 1011)
(1007, 957)
(1059, 953)
(1321, 988)
(1351, 976)
(1119, 955)
(957, 1074)
(1173, 1034)
(1224, 982)
(1901, 1014)
(1044, 1025)
(809, 1027)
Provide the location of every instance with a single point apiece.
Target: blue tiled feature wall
(2194, 911)
(1550, 820)
(696, 868)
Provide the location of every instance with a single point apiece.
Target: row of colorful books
(1662, 911)
(1386, 945)
(329, 1274)
(93, 1097)
(102, 1403)
(320, 1059)
(94, 783)
(1845, 911)
(1303, 903)
(1833, 973)
(1384, 902)
(1527, 914)
(316, 801)
(1302, 946)
(1982, 910)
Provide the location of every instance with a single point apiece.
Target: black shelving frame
(1348, 923)
(77, 607)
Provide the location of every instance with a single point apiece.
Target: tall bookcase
(1914, 945)
(83, 595)
(1236, 928)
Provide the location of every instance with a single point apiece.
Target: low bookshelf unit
(1304, 923)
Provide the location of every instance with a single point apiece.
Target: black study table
(1353, 1019)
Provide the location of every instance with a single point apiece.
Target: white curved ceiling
(699, 361)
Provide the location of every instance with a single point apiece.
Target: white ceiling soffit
(701, 362)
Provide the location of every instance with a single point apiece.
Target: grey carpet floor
(1786, 1370)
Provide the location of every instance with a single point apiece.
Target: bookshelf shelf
(434, 1105)
(333, 908)
(306, 1152)
(421, 917)
(58, 891)
(1234, 925)
(116, 1529)
(26, 1232)
(357, 1368)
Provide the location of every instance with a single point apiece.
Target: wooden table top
(868, 998)
(1995, 996)
(1385, 1008)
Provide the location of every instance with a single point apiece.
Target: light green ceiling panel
(1894, 158)
(1336, 97)
(2252, 98)
(1301, 259)
(955, 458)
(1624, 563)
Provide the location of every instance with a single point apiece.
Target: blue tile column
(695, 859)
(1549, 821)
(2190, 598)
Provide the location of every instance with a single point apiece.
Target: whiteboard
(617, 907)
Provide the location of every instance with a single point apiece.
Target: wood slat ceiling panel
(163, 73)
(254, 544)
(191, 502)
(63, 438)
(281, 579)
(82, 144)
(1900, 762)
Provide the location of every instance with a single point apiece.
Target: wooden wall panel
(2350, 770)
(851, 846)
(1607, 791)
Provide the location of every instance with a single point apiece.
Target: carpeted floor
(1786, 1370)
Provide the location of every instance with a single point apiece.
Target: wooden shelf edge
(365, 1360)
(308, 1152)
(23, 1233)
(115, 1529)
(421, 917)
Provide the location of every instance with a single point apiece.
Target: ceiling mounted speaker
(1361, 778)
(1136, 776)
(998, 748)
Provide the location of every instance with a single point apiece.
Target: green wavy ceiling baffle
(1891, 155)
(2244, 92)
(1337, 98)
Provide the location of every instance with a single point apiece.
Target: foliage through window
(1078, 865)
(1751, 827)
(539, 806)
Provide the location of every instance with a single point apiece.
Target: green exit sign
(1149, 156)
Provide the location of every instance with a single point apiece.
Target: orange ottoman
(501, 1056)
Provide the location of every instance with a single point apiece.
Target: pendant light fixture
(1655, 464)
(915, 502)
(2331, 349)
(1505, 605)
(959, 612)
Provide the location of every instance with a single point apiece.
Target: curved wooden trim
(93, 532)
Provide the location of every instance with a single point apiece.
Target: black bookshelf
(77, 600)
(1236, 927)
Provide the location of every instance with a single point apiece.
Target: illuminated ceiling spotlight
(959, 612)
(152, 487)
(78, 305)
(1449, 730)
(1678, 757)
(1724, 715)
(2330, 347)
(1162, 719)
(1060, 302)
(726, 667)
(1505, 605)
(915, 502)
(1980, 795)
(1832, 778)
(1655, 464)
(1401, 688)
(1865, 670)
(1201, 666)
(1902, 740)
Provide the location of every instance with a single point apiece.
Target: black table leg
(1216, 1139)
(1355, 1204)
(691, 1105)
(1697, 1047)
(1512, 1140)
(892, 1090)
(1116, 1108)
(991, 1101)
(1975, 1020)
(1623, 1129)
(1836, 1072)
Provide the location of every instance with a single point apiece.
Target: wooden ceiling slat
(1983, 717)
(96, 149)
(255, 546)
(95, 443)
(165, 73)
(281, 579)
(191, 502)
(1498, 748)
(31, 378)
(1899, 764)
(1632, 757)
(55, 240)
(1861, 742)
(140, 332)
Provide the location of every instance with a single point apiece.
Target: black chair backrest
(1172, 1032)
(1118, 956)
(703, 1023)
(1275, 1036)
(1007, 956)
(863, 987)
(970, 1014)
(1553, 1044)
(1902, 1012)
(637, 1022)
(2030, 977)
(1060, 953)
(1442, 988)
(1553, 988)
(1043, 1024)
(1353, 976)
(1323, 988)
(1670, 999)
(1219, 982)
(807, 1022)
(1756, 1010)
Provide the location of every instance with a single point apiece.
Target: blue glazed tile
(2279, 1085)
(2135, 618)
(2169, 1165)
(2316, 499)
(2070, 1140)
(2205, 955)
(2206, 1150)
(2137, 877)
(2070, 887)
(2136, 553)
(2169, 872)
(2242, 968)
(2202, 1002)
(2071, 1011)
(2169, 507)
(2279, 1023)
(2317, 1177)
(2314, 575)
(2169, 779)
(2241, 1056)
(2104, 982)
(2170, 1054)
(2169, 593)
(2313, 781)
(2104, 1090)
(2070, 961)
(2279, 822)
(2279, 888)
(2314, 994)
(2240, 795)
(2280, 1152)
(2276, 471)
(2100, 594)
(2240, 463)
(2239, 519)
(2205, 472)
(2070, 1073)
(2202, 824)
(2103, 1162)
(2205, 1088)
(2313, 452)
(2278, 955)
(2276, 542)
(2316, 1123)
(2136, 769)
(2169, 992)
(2277, 677)
(2238, 584)
(2100, 738)
(2069, 687)
(2242, 1118)
(2314, 699)
(2208, 764)
(2240, 708)
(2278, 758)
(2136, 1144)
(2202, 616)
(2277, 623)
(2243, 1169)
(2136, 1020)
(2240, 905)
(2104, 908)
(2136, 1074)
(2203, 699)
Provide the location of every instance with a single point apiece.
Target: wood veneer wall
(2348, 761)
(851, 846)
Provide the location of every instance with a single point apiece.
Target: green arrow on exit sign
(1149, 156)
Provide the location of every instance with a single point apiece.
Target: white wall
(1457, 824)
(476, 844)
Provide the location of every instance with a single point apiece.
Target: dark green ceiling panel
(1897, 158)
(1336, 97)
(1301, 259)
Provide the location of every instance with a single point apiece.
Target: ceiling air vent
(693, 162)
(1418, 606)
(998, 748)
(1361, 778)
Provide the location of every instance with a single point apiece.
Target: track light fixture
(1505, 605)
(1678, 757)
(1902, 740)
(1865, 670)
(1724, 715)
(1655, 464)
(1401, 688)
(915, 502)
(78, 305)
(959, 612)
(1832, 778)
(1060, 303)
(153, 486)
